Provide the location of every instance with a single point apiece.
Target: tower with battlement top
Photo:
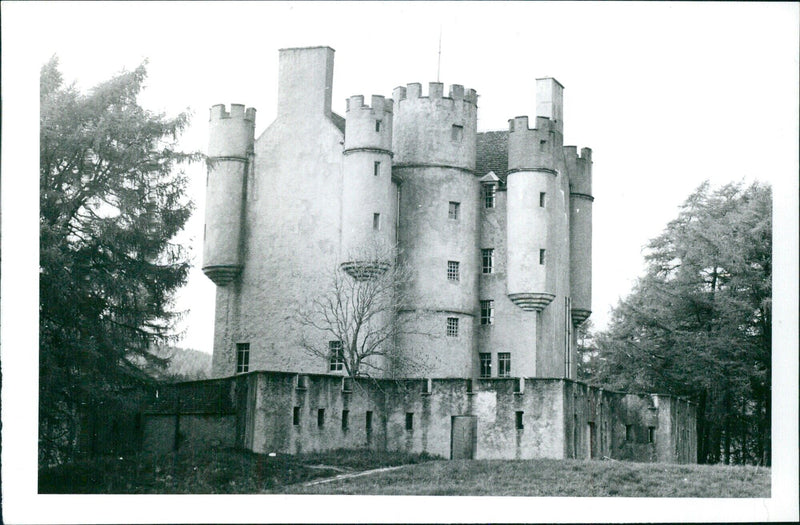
(495, 227)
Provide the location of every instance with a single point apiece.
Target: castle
(496, 231)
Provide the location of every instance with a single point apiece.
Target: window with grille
(453, 209)
(452, 270)
(242, 357)
(452, 326)
(487, 312)
(489, 195)
(337, 356)
(487, 260)
(504, 364)
(486, 364)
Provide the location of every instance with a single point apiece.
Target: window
(345, 419)
(651, 434)
(302, 382)
(296, 416)
(409, 420)
(427, 386)
(541, 256)
(320, 417)
(457, 133)
(487, 260)
(518, 418)
(542, 199)
(487, 312)
(377, 125)
(504, 364)
(337, 356)
(376, 168)
(469, 386)
(628, 432)
(376, 221)
(368, 420)
(486, 364)
(347, 384)
(242, 357)
(452, 270)
(489, 194)
(452, 210)
(452, 326)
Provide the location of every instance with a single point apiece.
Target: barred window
(487, 312)
(489, 195)
(242, 357)
(452, 271)
(486, 364)
(504, 364)
(487, 260)
(337, 356)
(453, 210)
(452, 326)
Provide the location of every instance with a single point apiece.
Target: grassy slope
(229, 471)
(556, 478)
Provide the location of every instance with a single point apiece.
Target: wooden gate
(463, 437)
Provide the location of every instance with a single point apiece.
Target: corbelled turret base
(364, 270)
(579, 315)
(223, 274)
(531, 301)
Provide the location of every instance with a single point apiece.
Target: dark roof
(492, 154)
(338, 121)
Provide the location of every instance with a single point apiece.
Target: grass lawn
(556, 478)
(227, 471)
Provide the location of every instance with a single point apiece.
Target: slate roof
(492, 154)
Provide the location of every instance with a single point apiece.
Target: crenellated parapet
(533, 149)
(368, 126)
(230, 149)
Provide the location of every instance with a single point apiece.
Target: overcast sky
(666, 95)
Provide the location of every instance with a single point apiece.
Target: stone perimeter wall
(290, 413)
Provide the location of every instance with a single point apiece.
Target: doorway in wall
(463, 437)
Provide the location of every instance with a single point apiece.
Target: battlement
(237, 111)
(435, 91)
(379, 103)
(543, 124)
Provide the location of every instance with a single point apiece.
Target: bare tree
(358, 312)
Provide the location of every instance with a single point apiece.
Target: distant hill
(185, 364)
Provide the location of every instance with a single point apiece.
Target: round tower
(369, 197)
(230, 150)
(531, 191)
(434, 146)
(580, 236)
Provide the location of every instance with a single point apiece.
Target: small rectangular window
(458, 133)
(487, 312)
(242, 357)
(518, 418)
(489, 195)
(345, 419)
(368, 420)
(376, 168)
(376, 221)
(409, 421)
(651, 434)
(486, 364)
(426, 386)
(296, 416)
(453, 210)
(469, 386)
(504, 364)
(337, 356)
(542, 199)
(302, 382)
(628, 432)
(347, 384)
(377, 125)
(452, 271)
(487, 260)
(541, 256)
(321, 417)
(452, 326)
